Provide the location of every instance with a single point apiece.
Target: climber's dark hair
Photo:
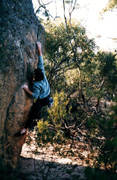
(38, 75)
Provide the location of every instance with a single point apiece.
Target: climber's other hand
(25, 87)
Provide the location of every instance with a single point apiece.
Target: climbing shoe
(20, 133)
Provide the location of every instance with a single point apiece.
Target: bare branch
(65, 15)
(71, 9)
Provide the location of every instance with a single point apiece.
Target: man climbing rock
(40, 94)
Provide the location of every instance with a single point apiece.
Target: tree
(72, 4)
(66, 50)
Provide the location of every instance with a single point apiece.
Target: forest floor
(54, 162)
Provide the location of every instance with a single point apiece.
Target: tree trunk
(19, 29)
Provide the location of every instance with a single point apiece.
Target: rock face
(19, 31)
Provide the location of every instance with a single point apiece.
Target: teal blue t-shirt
(41, 88)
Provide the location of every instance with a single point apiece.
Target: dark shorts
(36, 107)
(43, 102)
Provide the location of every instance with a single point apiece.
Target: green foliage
(44, 134)
(80, 79)
(99, 81)
(108, 148)
(65, 50)
(42, 126)
(50, 129)
(57, 113)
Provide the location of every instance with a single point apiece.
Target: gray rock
(19, 31)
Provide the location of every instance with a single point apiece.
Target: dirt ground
(38, 163)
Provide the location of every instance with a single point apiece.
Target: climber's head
(38, 75)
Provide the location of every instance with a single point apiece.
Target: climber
(40, 94)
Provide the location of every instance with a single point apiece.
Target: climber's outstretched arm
(40, 64)
(39, 48)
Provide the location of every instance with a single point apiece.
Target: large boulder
(19, 31)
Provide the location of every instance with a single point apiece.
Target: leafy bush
(58, 113)
(108, 148)
(50, 129)
(45, 133)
